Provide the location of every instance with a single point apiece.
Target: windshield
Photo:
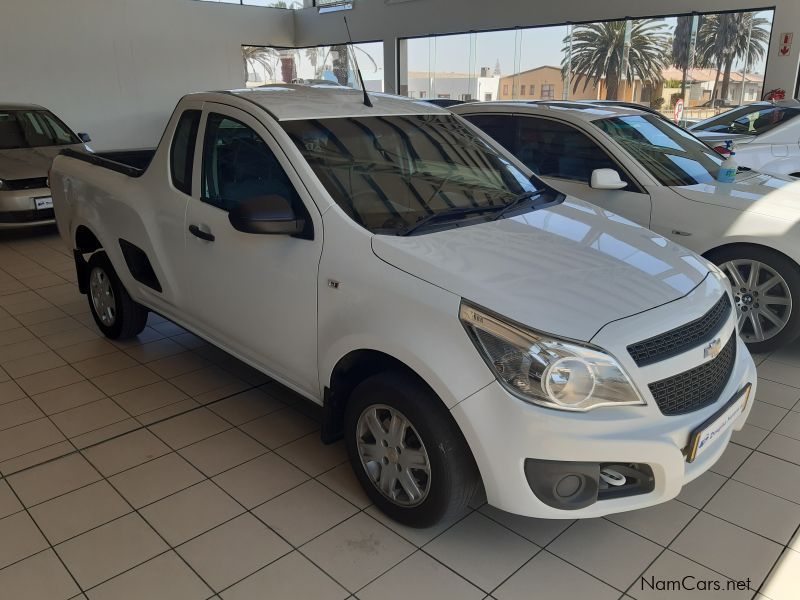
(673, 156)
(753, 120)
(387, 173)
(32, 129)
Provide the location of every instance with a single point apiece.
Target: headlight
(548, 371)
(2, 185)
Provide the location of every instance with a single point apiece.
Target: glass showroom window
(713, 61)
(267, 3)
(443, 67)
(318, 64)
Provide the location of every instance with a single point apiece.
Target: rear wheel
(114, 312)
(407, 451)
(766, 289)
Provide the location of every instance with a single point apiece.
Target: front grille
(698, 387)
(682, 338)
(25, 184)
(27, 216)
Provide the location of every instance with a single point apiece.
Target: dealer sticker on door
(42, 203)
(704, 436)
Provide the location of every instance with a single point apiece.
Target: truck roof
(582, 111)
(287, 102)
(18, 106)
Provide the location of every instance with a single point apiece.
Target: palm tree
(598, 49)
(261, 56)
(715, 42)
(681, 40)
(723, 39)
(320, 54)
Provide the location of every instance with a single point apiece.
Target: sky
(534, 47)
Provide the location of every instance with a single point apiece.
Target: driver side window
(553, 149)
(238, 165)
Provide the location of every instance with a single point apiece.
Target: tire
(779, 320)
(430, 437)
(117, 316)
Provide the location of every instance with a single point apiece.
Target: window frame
(624, 172)
(299, 204)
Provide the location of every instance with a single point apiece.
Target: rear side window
(752, 120)
(553, 149)
(502, 128)
(182, 151)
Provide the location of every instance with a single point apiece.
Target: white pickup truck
(459, 320)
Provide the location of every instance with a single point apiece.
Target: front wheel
(114, 312)
(766, 289)
(407, 450)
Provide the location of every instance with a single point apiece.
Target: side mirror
(607, 179)
(266, 214)
(84, 137)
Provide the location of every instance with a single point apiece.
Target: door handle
(203, 235)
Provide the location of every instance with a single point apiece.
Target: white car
(766, 135)
(658, 175)
(453, 316)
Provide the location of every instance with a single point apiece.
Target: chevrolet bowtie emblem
(713, 348)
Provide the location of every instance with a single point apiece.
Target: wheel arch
(746, 244)
(350, 370)
(86, 241)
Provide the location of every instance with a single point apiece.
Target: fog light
(569, 485)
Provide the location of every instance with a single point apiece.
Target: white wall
(377, 20)
(116, 68)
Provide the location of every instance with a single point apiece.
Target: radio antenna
(367, 101)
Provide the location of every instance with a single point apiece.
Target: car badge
(713, 349)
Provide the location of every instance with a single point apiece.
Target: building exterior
(546, 83)
(457, 86)
(700, 86)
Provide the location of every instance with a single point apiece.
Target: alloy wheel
(393, 455)
(102, 296)
(763, 299)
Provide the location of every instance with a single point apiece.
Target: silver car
(30, 137)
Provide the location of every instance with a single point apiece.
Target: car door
(564, 156)
(159, 261)
(255, 294)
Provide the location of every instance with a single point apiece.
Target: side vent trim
(139, 265)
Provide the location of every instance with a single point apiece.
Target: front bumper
(504, 431)
(18, 208)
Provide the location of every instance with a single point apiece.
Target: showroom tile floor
(165, 469)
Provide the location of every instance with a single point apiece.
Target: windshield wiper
(501, 210)
(444, 215)
(516, 201)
